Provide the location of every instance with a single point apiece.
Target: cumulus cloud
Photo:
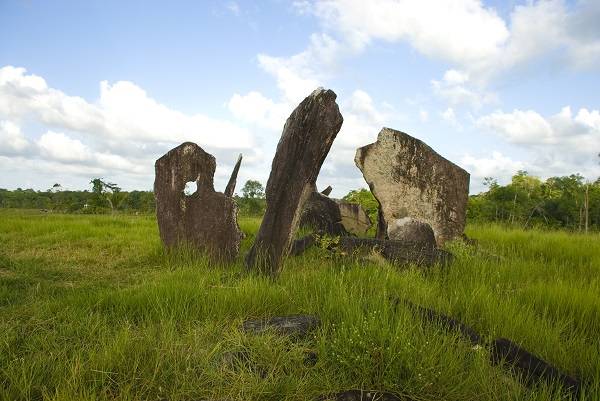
(497, 166)
(456, 89)
(458, 31)
(577, 133)
(468, 34)
(122, 132)
(299, 74)
(12, 140)
(124, 111)
(559, 144)
(255, 108)
(59, 147)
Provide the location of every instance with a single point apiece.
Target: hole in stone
(190, 188)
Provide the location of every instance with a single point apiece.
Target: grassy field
(92, 308)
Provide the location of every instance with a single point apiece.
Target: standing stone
(205, 219)
(354, 218)
(409, 179)
(306, 139)
(230, 188)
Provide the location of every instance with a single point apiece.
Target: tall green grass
(92, 308)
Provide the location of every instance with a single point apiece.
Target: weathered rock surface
(445, 321)
(327, 190)
(354, 218)
(531, 368)
(411, 230)
(409, 179)
(333, 216)
(305, 142)
(295, 325)
(398, 253)
(205, 219)
(322, 213)
(230, 188)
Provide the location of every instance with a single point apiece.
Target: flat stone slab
(354, 218)
(322, 213)
(295, 325)
(445, 321)
(398, 253)
(531, 368)
(409, 179)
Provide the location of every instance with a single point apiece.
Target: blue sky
(102, 89)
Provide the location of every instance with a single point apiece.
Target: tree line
(567, 202)
(105, 197)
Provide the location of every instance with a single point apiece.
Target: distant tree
(253, 190)
(253, 200)
(107, 191)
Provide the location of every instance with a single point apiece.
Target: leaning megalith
(205, 219)
(409, 179)
(305, 142)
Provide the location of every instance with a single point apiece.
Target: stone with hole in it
(202, 218)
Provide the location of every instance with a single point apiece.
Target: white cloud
(121, 133)
(563, 143)
(468, 34)
(456, 89)
(563, 129)
(458, 31)
(255, 108)
(450, 117)
(57, 146)
(423, 115)
(362, 123)
(525, 127)
(497, 166)
(124, 111)
(300, 74)
(12, 140)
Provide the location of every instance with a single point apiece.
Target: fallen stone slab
(445, 321)
(396, 252)
(300, 245)
(205, 219)
(409, 179)
(354, 218)
(399, 253)
(361, 395)
(322, 213)
(529, 367)
(305, 142)
(294, 325)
